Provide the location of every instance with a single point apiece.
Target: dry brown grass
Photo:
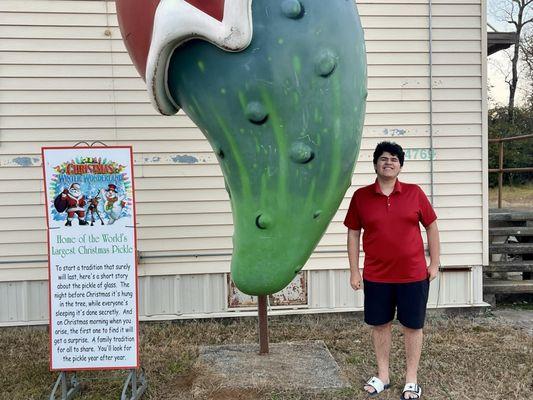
(463, 358)
(512, 196)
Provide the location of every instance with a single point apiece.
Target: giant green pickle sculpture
(279, 92)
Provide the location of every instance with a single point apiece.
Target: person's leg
(413, 348)
(379, 313)
(412, 302)
(381, 337)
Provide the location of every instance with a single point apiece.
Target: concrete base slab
(291, 365)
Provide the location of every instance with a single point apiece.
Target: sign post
(92, 260)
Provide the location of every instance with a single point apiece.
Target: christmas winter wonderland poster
(92, 257)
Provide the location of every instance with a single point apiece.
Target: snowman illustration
(113, 203)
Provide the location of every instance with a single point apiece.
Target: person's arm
(432, 232)
(353, 257)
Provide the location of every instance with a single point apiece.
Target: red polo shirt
(392, 242)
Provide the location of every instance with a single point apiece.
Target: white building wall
(65, 77)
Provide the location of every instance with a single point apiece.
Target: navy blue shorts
(409, 299)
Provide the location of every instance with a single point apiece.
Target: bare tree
(518, 13)
(526, 47)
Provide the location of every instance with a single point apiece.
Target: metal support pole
(263, 324)
(131, 391)
(69, 387)
(500, 177)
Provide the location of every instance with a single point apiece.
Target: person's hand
(356, 280)
(433, 271)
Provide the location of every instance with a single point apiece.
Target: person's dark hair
(390, 147)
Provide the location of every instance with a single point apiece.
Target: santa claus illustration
(113, 204)
(73, 202)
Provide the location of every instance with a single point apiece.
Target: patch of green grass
(354, 359)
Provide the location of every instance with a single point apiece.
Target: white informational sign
(92, 258)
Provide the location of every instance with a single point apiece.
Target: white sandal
(378, 386)
(412, 388)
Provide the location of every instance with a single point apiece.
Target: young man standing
(395, 276)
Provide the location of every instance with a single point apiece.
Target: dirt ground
(482, 357)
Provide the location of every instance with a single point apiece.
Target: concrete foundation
(289, 365)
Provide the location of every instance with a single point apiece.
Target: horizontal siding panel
(456, 106)
(440, 22)
(56, 7)
(184, 147)
(398, 59)
(463, 46)
(391, 9)
(72, 96)
(55, 19)
(391, 34)
(383, 46)
(421, 83)
(457, 130)
(58, 32)
(455, 34)
(422, 94)
(97, 121)
(411, 9)
(457, 9)
(395, 34)
(46, 45)
(423, 106)
(31, 83)
(157, 183)
(60, 58)
(456, 58)
(439, 46)
(375, 71)
(455, 22)
(68, 71)
(457, 118)
(422, 118)
(21, 135)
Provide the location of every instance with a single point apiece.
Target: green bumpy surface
(285, 118)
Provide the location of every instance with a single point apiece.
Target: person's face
(388, 166)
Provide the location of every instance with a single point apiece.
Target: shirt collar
(397, 187)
